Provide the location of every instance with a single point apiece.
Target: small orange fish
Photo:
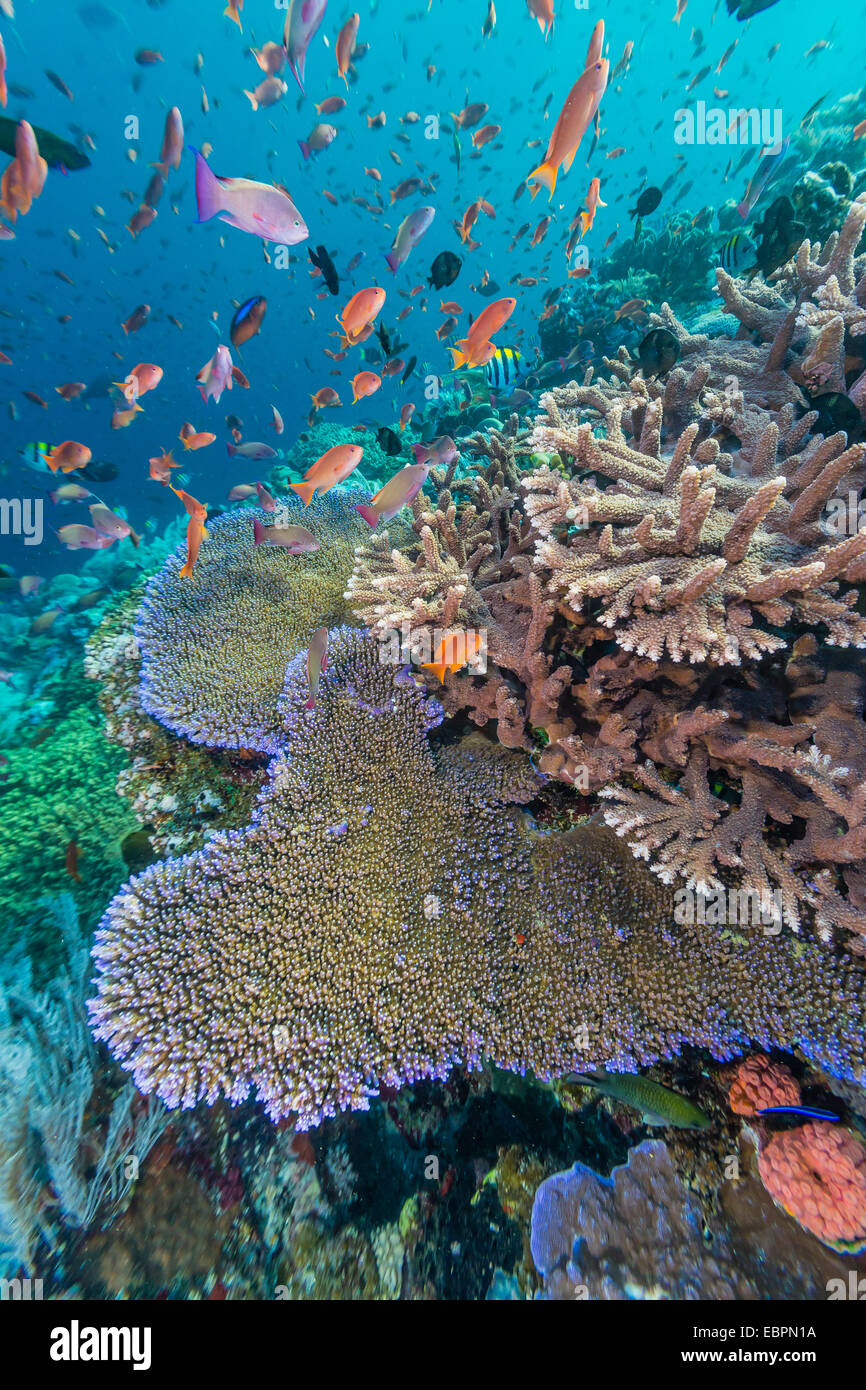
(455, 649)
(161, 466)
(194, 535)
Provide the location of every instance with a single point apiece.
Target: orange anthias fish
(593, 203)
(359, 313)
(346, 44)
(576, 116)
(476, 350)
(542, 10)
(333, 467)
(364, 384)
(68, 456)
(455, 649)
(161, 466)
(195, 533)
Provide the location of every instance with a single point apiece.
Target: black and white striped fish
(504, 369)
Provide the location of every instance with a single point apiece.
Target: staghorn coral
(469, 568)
(679, 557)
(215, 648)
(817, 1173)
(384, 920)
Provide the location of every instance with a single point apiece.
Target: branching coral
(469, 568)
(384, 918)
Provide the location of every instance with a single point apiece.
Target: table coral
(215, 648)
(384, 919)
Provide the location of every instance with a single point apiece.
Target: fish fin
(231, 450)
(439, 669)
(208, 190)
(186, 571)
(305, 491)
(390, 258)
(252, 96)
(583, 1078)
(258, 533)
(544, 177)
(310, 704)
(369, 514)
(567, 163)
(305, 149)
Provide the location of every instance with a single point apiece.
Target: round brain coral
(818, 1174)
(760, 1083)
(215, 647)
(386, 918)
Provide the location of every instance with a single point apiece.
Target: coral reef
(444, 930)
(47, 801)
(638, 1234)
(758, 1083)
(215, 648)
(70, 1145)
(817, 1173)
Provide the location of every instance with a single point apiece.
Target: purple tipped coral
(215, 647)
(385, 918)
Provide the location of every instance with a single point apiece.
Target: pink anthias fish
(769, 162)
(109, 524)
(172, 143)
(296, 540)
(317, 662)
(258, 208)
(441, 451)
(302, 21)
(216, 375)
(399, 490)
(79, 537)
(409, 233)
(266, 501)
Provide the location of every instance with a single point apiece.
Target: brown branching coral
(470, 569)
(679, 557)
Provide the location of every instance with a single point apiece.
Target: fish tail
(305, 149)
(186, 571)
(439, 670)
(459, 353)
(208, 190)
(545, 177)
(311, 703)
(231, 450)
(253, 101)
(743, 209)
(258, 533)
(392, 261)
(370, 515)
(305, 491)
